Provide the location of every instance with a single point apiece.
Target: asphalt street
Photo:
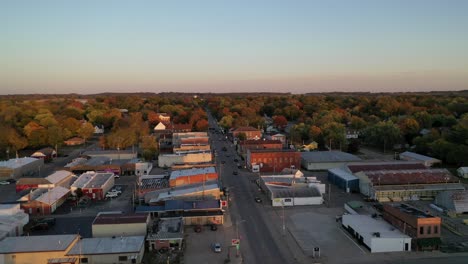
(258, 244)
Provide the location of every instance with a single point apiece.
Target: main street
(258, 244)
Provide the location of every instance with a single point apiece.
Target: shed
(343, 179)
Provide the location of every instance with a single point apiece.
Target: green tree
(149, 147)
(334, 135)
(382, 135)
(86, 131)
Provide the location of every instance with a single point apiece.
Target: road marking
(352, 240)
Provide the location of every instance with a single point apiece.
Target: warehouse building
(200, 191)
(387, 165)
(376, 234)
(12, 220)
(95, 185)
(59, 178)
(112, 154)
(453, 201)
(427, 161)
(324, 160)
(151, 183)
(37, 249)
(289, 190)
(343, 179)
(192, 176)
(47, 202)
(421, 226)
(117, 224)
(402, 185)
(19, 167)
(109, 250)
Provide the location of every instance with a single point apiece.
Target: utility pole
(329, 195)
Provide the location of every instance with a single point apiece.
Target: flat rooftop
(16, 163)
(289, 192)
(99, 179)
(328, 156)
(58, 176)
(168, 194)
(108, 219)
(393, 165)
(367, 226)
(108, 245)
(169, 228)
(26, 244)
(407, 209)
(398, 177)
(191, 172)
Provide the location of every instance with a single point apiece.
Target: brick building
(258, 144)
(249, 132)
(422, 227)
(273, 160)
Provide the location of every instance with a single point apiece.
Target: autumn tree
(334, 134)
(201, 125)
(383, 135)
(86, 131)
(280, 122)
(149, 147)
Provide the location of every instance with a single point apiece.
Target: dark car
(197, 229)
(224, 149)
(222, 162)
(236, 160)
(235, 172)
(258, 199)
(49, 221)
(214, 227)
(40, 226)
(11, 181)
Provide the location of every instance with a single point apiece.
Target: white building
(110, 250)
(143, 168)
(12, 220)
(16, 168)
(376, 234)
(463, 172)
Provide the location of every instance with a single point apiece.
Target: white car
(116, 191)
(111, 195)
(4, 183)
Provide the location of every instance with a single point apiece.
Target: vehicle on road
(11, 180)
(214, 227)
(111, 195)
(224, 149)
(115, 190)
(235, 172)
(258, 199)
(216, 247)
(49, 221)
(236, 160)
(4, 183)
(222, 162)
(197, 229)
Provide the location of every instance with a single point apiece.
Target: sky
(295, 46)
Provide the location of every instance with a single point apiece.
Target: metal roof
(393, 165)
(58, 176)
(26, 244)
(343, 174)
(367, 226)
(180, 205)
(17, 163)
(168, 228)
(398, 177)
(53, 195)
(191, 172)
(328, 156)
(108, 245)
(281, 192)
(417, 156)
(92, 180)
(32, 181)
(169, 194)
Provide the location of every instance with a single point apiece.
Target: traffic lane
(261, 244)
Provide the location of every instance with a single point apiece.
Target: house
(109, 250)
(463, 172)
(47, 202)
(272, 160)
(74, 141)
(376, 234)
(118, 225)
(279, 137)
(249, 132)
(164, 117)
(37, 249)
(411, 156)
(19, 167)
(324, 160)
(424, 228)
(47, 154)
(98, 129)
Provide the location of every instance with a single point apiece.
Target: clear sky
(232, 46)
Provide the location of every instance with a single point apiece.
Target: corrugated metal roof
(417, 156)
(17, 163)
(58, 176)
(328, 156)
(32, 181)
(108, 245)
(398, 165)
(36, 243)
(191, 172)
(177, 205)
(343, 174)
(53, 195)
(398, 177)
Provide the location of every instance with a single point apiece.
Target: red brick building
(249, 132)
(273, 160)
(422, 227)
(259, 144)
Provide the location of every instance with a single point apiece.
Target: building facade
(249, 132)
(273, 160)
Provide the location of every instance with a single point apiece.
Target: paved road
(258, 244)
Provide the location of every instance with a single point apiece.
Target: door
(406, 247)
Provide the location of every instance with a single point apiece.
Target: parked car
(216, 247)
(114, 190)
(235, 172)
(11, 180)
(49, 221)
(224, 149)
(40, 226)
(4, 183)
(236, 160)
(197, 228)
(214, 227)
(258, 199)
(111, 195)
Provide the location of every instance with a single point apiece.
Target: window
(123, 258)
(421, 230)
(287, 200)
(436, 229)
(429, 230)
(84, 260)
